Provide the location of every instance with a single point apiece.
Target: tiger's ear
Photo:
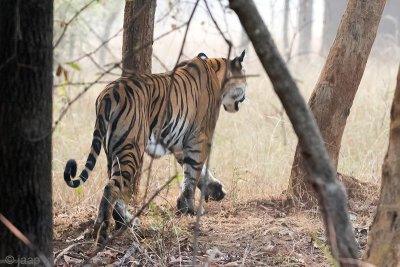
(202, 56)
(240, 58)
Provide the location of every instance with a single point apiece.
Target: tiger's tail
(99, 132)
(71, 166)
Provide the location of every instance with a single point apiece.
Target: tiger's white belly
(154, 149)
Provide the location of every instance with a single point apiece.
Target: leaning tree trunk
(137, 46)
(329, 190)
(305, 20)
(335, 90)
(26, 29)
(384, 237)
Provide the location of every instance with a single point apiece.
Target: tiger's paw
(100, 231)
(214, 191)
(121, 215)
(185, 206)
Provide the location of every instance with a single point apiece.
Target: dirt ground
(232, 233)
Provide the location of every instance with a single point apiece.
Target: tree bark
(333, 12)
(138, 33)
(26, 29)
(331, 195)
(384, 237)
(304, 25)
(337, 85)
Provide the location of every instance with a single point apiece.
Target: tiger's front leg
(211, 186)
(193, 161)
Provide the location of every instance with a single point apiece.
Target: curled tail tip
(70, 170)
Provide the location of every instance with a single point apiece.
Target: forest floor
(259, 232)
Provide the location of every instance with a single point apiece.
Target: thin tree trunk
(335, 90)
(26, 29)
(333, 12)
(384, 237)
(106, 35)
(331, 195)
(244, 41)
(286, 29)
(390, 25)
(305, 20)
(138, 33)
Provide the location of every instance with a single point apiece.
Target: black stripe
(84, 175)
(116, 94)
(102, 127)
(190, 161)
(107, 108)
(96, 144)
(218, 65)
(90, 162)
(117, 184)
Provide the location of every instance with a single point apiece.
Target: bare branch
(71, 20)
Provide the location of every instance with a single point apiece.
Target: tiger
(167, 113)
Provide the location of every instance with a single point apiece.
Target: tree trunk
(26, 28)
(331, 195)
(137, 45)
(286, 29)
(333, 13)
(335, 90)
(304, 25)
(384, 237)
(106, 34)
(244, 41)
(390, 25)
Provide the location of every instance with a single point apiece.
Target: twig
(199, 211)
(81, 83)
(25, 240)
(99, 47)
(154, 195)
(161, 63)
(71, 20)
(133, 250)
(64, 251)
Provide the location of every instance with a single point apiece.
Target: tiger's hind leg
(110, 195)
(123, 183)
(213, 188)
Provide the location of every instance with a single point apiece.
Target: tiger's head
(234, 85)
